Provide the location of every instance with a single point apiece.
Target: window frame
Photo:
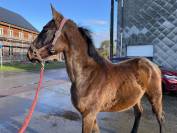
(30, 36)
(2, 32)
(11, 33)
(20, 35)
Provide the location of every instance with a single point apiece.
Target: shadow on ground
(22, 66)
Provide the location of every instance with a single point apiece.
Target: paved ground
(55, 113)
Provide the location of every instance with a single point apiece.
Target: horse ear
(57, 17)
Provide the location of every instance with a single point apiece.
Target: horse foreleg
(95, 127)
(88, 122)
(138, 112)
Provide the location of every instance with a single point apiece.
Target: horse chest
(79, 102)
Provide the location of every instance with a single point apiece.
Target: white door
(140, 50)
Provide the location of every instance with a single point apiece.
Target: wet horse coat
(97, 84)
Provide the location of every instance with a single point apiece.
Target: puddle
(69, 115)
(1, 96)
(105, 119)
(15, 87)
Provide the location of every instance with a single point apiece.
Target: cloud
(100, 30)
(99, 37)
(96, 22)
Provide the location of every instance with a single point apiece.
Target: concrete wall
(153, 22)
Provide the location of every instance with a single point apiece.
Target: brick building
(150, 29)
(16, 34)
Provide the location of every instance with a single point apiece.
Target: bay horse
(97, 84)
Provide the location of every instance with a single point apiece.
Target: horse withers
(97, 84)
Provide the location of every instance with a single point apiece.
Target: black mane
(92, 52)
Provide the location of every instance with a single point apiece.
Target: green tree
(105, 47)
(105, 44)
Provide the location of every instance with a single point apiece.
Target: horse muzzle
(34, 56)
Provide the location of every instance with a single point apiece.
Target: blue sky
(93, 14)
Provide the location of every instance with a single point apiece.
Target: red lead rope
(31, 110)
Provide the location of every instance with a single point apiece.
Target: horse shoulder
(87, 88)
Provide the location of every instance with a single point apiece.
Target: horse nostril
(34, 52)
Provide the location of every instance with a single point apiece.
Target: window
(21, 35)
(2, 51)
(10, 50)
(30, 37)
(1, 31)
(11, 33)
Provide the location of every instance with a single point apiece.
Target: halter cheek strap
(58, 32)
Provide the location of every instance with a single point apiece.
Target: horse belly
(125, 101)
(123, 105)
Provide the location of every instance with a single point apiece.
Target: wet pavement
(54, 112)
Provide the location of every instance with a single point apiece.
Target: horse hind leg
(155, 99)
(138, 110)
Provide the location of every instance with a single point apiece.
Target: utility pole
(118, 31)
(122, 27)
(111, 29)
(1, 46)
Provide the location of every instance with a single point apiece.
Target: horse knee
(160, 117)
(95, 127)
(88, 122)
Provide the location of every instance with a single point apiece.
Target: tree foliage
(105, 49)
(105, 45)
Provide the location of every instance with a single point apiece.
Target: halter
(58, 33)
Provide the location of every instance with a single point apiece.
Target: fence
(10, 54)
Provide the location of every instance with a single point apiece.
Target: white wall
(140, 50)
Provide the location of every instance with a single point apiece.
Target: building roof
(13, 18)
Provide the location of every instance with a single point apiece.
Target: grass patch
(18, 67)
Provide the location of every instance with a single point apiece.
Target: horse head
(44, 46)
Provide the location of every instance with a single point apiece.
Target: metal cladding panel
(153, 22)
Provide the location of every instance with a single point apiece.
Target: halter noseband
(57, 34)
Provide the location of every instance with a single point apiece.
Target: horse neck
(76, 58)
